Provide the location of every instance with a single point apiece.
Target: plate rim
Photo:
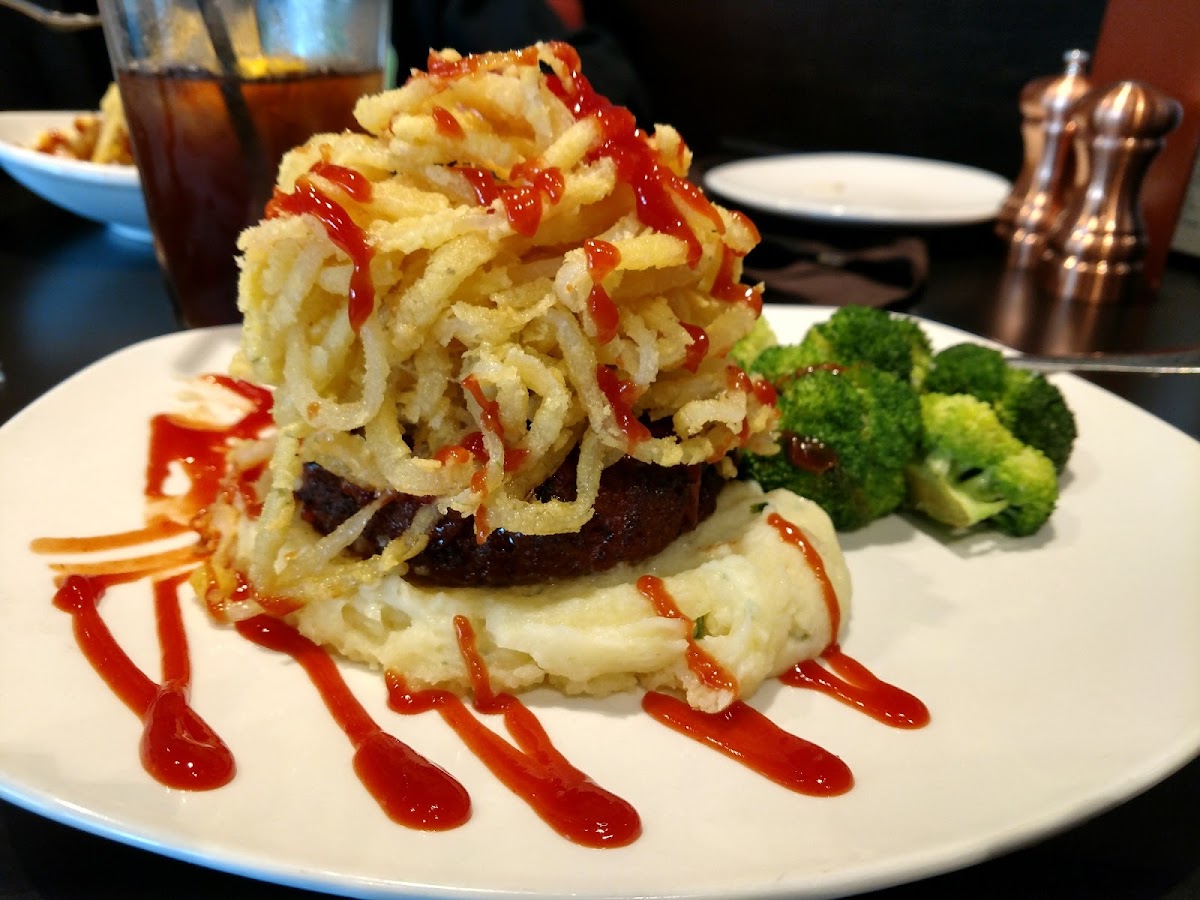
(12, 153)
(720, 179)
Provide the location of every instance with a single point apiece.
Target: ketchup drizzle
(446, 124)
(621, 395)
(602, 258)
(352, 182)
(522, 202)
(710, 672)
(856, 686)
(859, 688)
(178, 748)
(654, 185)
(726, 288)
(698, 349)
(345, 234)
(564, 798)
(744, 734)
(410, 789)
(795, 536)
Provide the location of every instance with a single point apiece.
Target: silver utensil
(1185, 361)
(59, 21)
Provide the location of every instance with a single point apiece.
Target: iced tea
(200, 188)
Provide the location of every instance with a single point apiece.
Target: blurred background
(933, 78)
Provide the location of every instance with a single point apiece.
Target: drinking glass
(215, 92)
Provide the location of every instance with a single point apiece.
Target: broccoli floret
(780, 362)
(846, 436)
(1028, 405)
(1034, 410)
(971, 469)
(864, 334)
(919, 347)
(757, 339)
(968, 369)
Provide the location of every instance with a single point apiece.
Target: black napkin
(809, 271)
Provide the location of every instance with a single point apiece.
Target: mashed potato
(759, 604)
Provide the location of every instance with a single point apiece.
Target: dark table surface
(71, 292)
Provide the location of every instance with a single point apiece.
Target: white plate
(104, 193)
(1062, 673)
(864, 188)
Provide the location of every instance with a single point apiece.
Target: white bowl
(103, 192)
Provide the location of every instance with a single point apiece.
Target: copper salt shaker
(1095, 251)
(1048, 171)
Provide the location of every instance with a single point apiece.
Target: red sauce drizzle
(354, 183)
(447, 125)
(345, 234)
(178, 748)
(726, 288)
(200, 449)
(744, 734)
(621, 395)
(602, 258)
(795, 536)
(456, 454)
(564, 798)
(765, 392)
(737, 380)
(710, 672)
(698, 349)
(412, 790)
(438, 67)
(856, 686)
(155, 531)
(489, 409)
(654, 185)
(853, 684)
(522, 202)
(514, 457)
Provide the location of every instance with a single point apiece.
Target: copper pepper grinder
(1048, 171)
(1094, 254)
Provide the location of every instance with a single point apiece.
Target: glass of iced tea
(215, 92)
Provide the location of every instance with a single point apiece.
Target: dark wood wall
(935, 78)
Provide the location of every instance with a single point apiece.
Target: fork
(59, 21)
(1185, 361)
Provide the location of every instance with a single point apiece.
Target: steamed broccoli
(971, 469)
(1027, 404)
(863, 334)
(968, 369)
(846, 436)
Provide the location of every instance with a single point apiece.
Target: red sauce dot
(698, 349)
(446, 124)
(809, 453)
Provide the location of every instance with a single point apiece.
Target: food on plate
(497, 326)
(854, 335)
(873, 422)
(847, 434)
(971, 469)
(94, 137)
(1026, 402)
